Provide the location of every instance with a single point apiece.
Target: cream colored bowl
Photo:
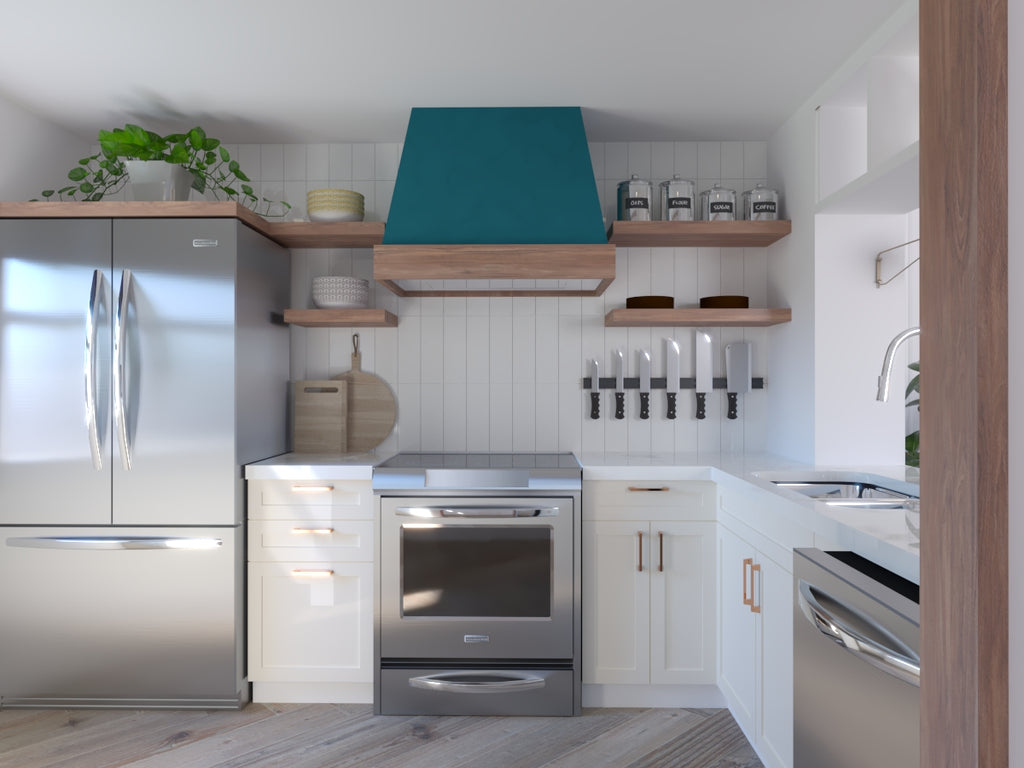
(334, 205)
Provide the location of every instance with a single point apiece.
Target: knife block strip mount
(662, 383)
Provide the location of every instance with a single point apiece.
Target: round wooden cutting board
(371, 405)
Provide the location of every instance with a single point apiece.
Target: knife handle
(671, 414)
(620, 405)
(595, 404)
(645, 405)
(732, 405)
(701, 402)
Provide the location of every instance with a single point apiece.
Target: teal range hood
(495, 194)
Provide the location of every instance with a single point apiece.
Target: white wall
(504, 374)
(35, 154)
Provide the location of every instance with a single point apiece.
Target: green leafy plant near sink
(913, 440)
(205, 158)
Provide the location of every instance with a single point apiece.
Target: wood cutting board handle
(357, 359)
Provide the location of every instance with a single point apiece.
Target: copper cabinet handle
(313, 572)
(748, 562)
(636, 488)
(754, 607)
(312, 488)
(640, 551)
(320, 531)
(661, 551)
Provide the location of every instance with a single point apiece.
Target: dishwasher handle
(476, 512)
(900, 661)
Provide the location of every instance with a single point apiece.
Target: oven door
(483, 578)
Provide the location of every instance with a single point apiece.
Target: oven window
(463, 570)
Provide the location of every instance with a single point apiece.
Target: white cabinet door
(616, 602)
(738, 630)
(682, 564)
(311, 622)
(775, 730)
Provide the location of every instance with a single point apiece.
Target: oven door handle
(476, 512)
(473, 681)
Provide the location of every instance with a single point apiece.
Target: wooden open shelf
(341, 318)
(698, 234)
(322, 234)
(694, 317)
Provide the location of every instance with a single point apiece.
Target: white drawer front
(649, 500)
(317, 499)
(311, 622)
(308, 540)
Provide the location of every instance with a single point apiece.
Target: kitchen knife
(702, 368)
(737, 373)
(671, 376)
(595, 389)
(645, 384)
(620, 385)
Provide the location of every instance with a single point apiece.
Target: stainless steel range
(478, 608)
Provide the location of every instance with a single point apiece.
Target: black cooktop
(462, 472)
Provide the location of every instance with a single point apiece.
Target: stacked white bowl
(333, 292)
(334, 205)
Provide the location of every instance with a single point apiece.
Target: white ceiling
(339, 70)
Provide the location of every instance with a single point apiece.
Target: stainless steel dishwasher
(856, 669)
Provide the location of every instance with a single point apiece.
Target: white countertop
(880, 535)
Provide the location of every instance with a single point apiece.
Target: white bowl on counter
(334, 292)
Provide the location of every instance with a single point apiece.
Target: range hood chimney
(487, 198)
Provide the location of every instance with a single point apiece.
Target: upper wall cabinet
(868, 125)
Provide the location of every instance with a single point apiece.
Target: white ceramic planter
(157, 180)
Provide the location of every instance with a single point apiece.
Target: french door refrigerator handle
(120, 343)
(91, 332)
(902, 664)
(115, 542)
(450, 682)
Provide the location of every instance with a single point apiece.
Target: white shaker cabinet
(311, 590)
(649, 587)
(755, 631)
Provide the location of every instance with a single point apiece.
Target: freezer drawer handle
(91, 331)
(114, 542)
(899, 661)
(471, 681)
(120, 354)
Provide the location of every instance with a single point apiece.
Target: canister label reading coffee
(767, 206)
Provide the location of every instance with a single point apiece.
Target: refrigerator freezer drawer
(121, 617)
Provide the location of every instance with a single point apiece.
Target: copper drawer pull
(754, 608)
(312, 572)
(312, 488)
(661, 551)
(321, 531)
(747, 563)
(649, 490)
(640, 551)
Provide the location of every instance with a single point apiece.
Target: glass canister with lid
(635, 199)
(761, 204)
(718, 204)
(677, 203)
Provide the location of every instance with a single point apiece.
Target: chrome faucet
(890, 353)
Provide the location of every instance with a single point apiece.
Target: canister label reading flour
(680, 202)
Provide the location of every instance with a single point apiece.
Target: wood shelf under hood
(553, 268)
(696, 317)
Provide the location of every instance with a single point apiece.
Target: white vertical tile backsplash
(504, 374)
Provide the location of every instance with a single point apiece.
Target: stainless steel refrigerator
(141, 366)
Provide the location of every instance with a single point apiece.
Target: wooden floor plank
(350, 736)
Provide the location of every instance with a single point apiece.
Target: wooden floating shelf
(323, 234)
(698, 234)
(694, 317)
(341, 318)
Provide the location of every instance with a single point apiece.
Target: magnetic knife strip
(608, 382)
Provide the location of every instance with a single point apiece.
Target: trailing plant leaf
(205, 158)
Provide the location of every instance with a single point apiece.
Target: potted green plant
(205, 160)
(913, 440)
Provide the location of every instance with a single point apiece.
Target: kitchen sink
(848, 493)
